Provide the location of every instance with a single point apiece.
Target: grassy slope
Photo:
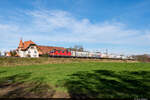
(82, 75)
(13, 61)
(54, 72)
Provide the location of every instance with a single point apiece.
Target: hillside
(14, 61)
(76, 79)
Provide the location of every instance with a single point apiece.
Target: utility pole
(106, 51)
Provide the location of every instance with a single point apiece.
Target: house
(30, 49)
(46, 49)
(27, 49)
(8, 54)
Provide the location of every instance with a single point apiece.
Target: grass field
(76, 79)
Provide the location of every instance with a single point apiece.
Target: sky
(120, 26)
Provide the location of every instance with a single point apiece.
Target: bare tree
(142, 58)
(77, 48)
(13, 53)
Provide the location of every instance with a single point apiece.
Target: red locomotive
(55, 52)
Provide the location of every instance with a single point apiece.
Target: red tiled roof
(8, 54)
(21, 44)
(25, 45)
(42, 49)
(46, 49)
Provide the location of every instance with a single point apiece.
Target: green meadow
(77, 80)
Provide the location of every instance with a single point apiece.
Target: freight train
(84, 54)
(74, 54)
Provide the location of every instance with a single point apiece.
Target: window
(63, 51)
(32, 47)
(35, 52)
(53, 51)
(68, 50)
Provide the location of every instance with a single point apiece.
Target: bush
(13, 53)
(44, 55)
(142, 58)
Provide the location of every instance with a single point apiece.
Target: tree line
(142, 58)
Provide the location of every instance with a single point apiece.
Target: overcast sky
(121, 26)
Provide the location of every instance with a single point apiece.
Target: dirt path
(29, 90)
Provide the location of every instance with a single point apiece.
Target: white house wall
(21, 53)
(31, 51)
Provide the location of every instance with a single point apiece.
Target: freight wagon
(75, 54)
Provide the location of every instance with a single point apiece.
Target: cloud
(61, 26)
